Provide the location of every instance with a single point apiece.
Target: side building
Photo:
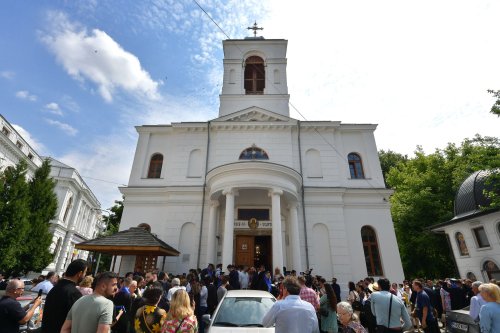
(474, 233)
(78, 217)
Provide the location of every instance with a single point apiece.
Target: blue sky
(77, 76)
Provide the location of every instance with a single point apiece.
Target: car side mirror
(206, 319)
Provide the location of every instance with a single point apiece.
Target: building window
(5, 131)
(491, 270)
(372, 253)
(462, 247)
(30, 156)
(19, 144)
(68, 208)
(255, 77)
(471, 276)
(253, 153)
(355, 166)
(155, 166)
(481, 238)
(245, 214)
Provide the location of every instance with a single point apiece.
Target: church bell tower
(254, 75)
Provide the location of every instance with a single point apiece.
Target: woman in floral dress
(150, 318)
(181, 318)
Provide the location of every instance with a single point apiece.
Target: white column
(295, 240)
(276, 221)
(227, 242)
(212, 228)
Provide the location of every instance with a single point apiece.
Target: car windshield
(243, 311)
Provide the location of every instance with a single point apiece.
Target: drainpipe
(203, 197)
(302, 190)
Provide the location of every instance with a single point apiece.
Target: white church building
(255, 186)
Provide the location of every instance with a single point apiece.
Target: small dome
(470, 196)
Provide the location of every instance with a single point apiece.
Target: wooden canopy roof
(134, 241)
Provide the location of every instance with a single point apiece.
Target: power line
(104, 181)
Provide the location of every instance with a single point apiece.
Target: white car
(240, 311)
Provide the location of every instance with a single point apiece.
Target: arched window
(462, 247)
(372, 253)
(255, 77)
(471, 276)
(68, 208)
(253, 153)
(155, 166)
(355, 166)
(491, 270)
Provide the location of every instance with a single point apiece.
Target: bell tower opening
(255, 76)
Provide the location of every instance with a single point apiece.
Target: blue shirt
(292, 315)
(489, 318)
(380, 309)
(423, 301)
(476, 302)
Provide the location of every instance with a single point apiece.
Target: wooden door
(244, 250)
(145, 264)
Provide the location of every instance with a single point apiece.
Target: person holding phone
(11, 313)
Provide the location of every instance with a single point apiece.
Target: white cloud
(24, 94)
(54, 108)
(93, 163)
(66, 128)
(34, 143)
(7, 74)
(96, 57)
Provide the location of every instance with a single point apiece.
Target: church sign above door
(252, 224)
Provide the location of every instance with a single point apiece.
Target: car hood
(218, 329)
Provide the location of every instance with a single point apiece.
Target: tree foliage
(495, 109)
(390, 159)
(26, 208)
(425, 188)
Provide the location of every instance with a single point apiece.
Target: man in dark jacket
(234, 278)
(61, 297)
(123, 298)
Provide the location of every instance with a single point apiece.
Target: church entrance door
(253, 251)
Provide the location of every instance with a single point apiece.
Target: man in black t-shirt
(61, 298)
(11, 312)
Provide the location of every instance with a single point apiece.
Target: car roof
(248, 293)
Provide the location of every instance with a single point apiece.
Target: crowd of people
(158, 302)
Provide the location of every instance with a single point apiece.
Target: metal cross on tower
(255, 28)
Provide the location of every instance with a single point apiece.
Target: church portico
(256, 199)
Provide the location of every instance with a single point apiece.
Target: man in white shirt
(476, 302)
(46, 285)
(243, 277)
(292, 315)
(175, 286)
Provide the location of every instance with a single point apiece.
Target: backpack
(367, 318)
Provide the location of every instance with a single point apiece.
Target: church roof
(133, 241)
(470, 199)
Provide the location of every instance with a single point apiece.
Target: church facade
(255, 186)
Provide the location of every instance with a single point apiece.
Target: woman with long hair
(85, 286)
(328, 310)
(181, 315)
(149, 317)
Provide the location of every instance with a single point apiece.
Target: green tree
(14, 216)
(43, 207)
(390, 159)
(495, 109)
(112, 226)
(425, 188)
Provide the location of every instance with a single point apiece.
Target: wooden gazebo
(138, 242)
